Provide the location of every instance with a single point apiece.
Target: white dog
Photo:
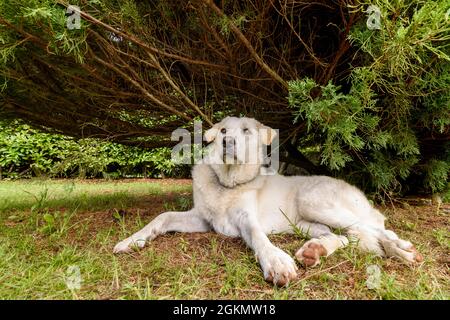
(234, 197)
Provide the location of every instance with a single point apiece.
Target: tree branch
(248, 45)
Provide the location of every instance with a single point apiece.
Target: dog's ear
(267, 134)
(211, 133)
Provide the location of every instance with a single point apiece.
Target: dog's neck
(232, 175)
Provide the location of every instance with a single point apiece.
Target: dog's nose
(228, 141)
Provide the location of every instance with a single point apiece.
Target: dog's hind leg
(367, 238)
(323, 243)
(399, 248)
(187, 221)
(384, 243)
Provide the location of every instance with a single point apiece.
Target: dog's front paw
(278, 267)
(129, 244)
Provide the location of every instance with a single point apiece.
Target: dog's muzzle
(229, 146)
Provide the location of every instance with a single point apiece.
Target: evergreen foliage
(390, 124)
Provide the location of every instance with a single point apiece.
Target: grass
(76, 194)
(48, 228)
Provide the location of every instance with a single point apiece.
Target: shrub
(26, 152)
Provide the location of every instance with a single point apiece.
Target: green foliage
(224, 23)
(51, 17)
(436, 177)
(25, 151)
(336, 114)
(399, 95)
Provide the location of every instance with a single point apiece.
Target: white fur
(236, 200)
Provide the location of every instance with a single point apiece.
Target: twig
(141, 88)
(319, 272)
(255, 290)
(248, 45)
(142, 44)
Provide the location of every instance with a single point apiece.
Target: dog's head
(240, 140)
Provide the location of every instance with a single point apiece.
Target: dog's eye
(223, 130)
(246, 131)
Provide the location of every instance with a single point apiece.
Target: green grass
(76, 194)
(48, 227)
(446, 194)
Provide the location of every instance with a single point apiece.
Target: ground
(53, 230)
